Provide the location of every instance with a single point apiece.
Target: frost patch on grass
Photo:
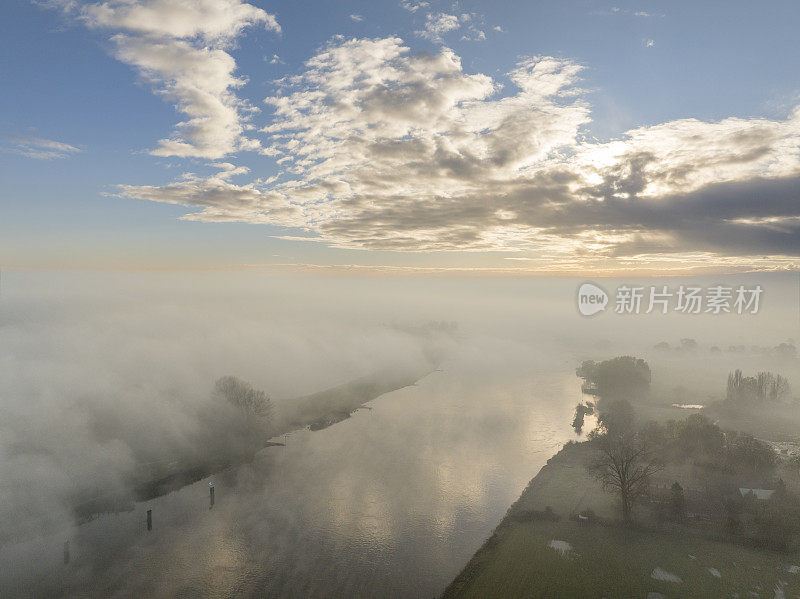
(561, 546)
(779, 594)
(663, 575)
(715, 572)
(793, 569)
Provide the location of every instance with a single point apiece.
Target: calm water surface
(389, 503)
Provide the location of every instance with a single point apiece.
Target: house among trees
(762, 494)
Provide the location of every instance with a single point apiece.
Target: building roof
(759, 493)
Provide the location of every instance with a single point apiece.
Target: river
(391, 502)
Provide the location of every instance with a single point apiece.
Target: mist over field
(100, 373)
(105, 376)
(399, 300)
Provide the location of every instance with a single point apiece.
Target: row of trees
(762, 387)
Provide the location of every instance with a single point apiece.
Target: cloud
(214, 21)
(413, 6)
(624, 11)
(436, 25)
(357, 18)
(388, 150)
(649, 43)
(475, 35)
(38, 148)
(180, 47)
(200, 81)
(218, 198)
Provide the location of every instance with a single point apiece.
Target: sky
(561, 137)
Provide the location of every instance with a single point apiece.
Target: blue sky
(82, 116)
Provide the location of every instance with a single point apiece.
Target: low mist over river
(102, 373)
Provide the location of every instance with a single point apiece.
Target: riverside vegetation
(651, 508)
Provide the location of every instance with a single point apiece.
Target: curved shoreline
(516, 512)
(315, 411)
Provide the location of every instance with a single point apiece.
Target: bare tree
(252, 402)
(624, 461)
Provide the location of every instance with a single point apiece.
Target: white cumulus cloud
(181, 48)
(384, 149)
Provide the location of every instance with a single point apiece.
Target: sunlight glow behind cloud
(384, 149)
(378, 147)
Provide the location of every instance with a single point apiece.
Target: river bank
(389, 503)
(316, 411)
(540, 549)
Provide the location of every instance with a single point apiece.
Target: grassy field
(566, 486)
(615, 563)
(610, 561)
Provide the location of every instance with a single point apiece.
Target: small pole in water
(210, 494)
(66, 552)
(149, 519)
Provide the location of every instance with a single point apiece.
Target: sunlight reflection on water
(389, 503)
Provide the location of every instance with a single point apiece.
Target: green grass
(567, 486)
(615, 562)
(607, 560)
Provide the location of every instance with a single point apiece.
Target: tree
(778, 519)
(785, 350)
(581, 411)
(677, 502)
(699, 438)
(750, 455)
(621, 377)
(763, 386)
(624, 461)
(252, 402)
